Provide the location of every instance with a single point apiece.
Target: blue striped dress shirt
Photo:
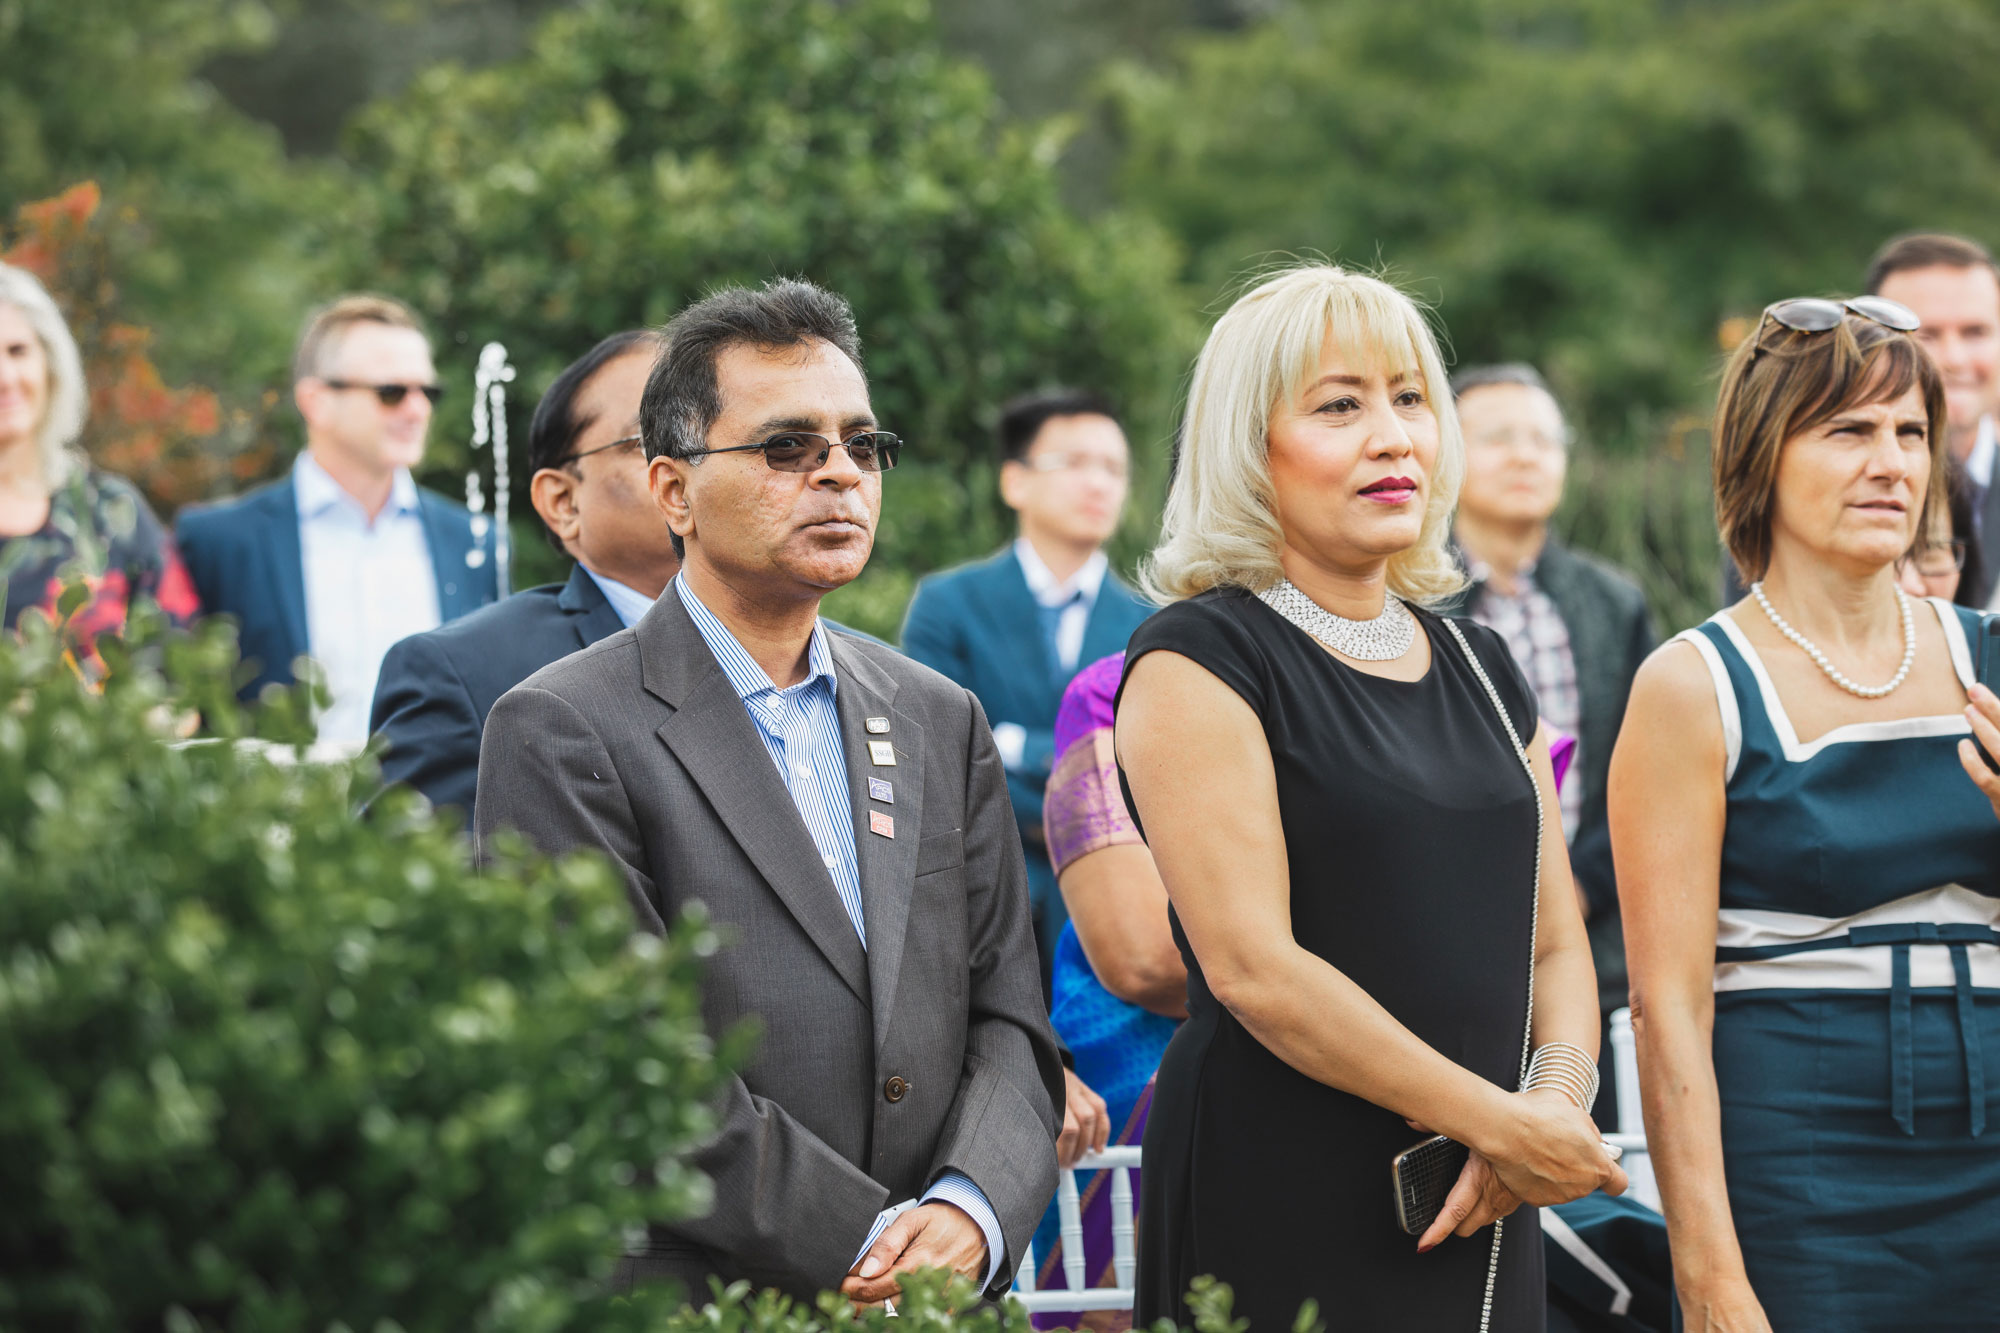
(800, 728)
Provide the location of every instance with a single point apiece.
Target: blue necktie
(1051, 620)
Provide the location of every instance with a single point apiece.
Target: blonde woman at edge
(1348, 838)
(1809, 867)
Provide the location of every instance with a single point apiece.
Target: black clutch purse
(1424, 1176)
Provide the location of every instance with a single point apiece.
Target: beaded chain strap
(1534, 928)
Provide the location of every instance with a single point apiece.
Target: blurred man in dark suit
(588, 485)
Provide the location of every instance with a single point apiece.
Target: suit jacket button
(895, 1088)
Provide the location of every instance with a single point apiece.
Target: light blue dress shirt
(629, 604)
(800, 728)
(369, 583)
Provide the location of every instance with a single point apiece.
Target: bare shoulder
(1674, 674)
(1673, 707)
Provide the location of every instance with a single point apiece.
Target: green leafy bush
(264, 1065)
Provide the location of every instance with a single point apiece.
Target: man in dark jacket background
(1577, 627)
(588, 485)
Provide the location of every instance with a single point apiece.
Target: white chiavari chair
(1120, 1162)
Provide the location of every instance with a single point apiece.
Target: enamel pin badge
(881, 823)
(882, 754)
(877, 726)
(878, 790)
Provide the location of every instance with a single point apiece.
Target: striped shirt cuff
(957, 1189)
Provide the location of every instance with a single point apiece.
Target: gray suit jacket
(877, 1071)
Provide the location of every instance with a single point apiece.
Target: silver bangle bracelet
(1567, 1068)
(1583, 1081)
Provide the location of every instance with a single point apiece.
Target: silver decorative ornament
(1834, 673)
(489, 425)
(1382, 639)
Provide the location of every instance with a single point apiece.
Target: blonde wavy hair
(1221, 525)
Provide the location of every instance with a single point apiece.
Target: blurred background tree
(642, 152)
(175, 443)
(1016, 194)
(213, 239)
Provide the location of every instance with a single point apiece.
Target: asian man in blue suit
(1014, 628)
(588, 485)
(346, 554)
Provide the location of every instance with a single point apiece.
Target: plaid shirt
(1539, 640)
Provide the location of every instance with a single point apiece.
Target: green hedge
(269, 1066)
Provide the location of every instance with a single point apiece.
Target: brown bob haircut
(1785, 383)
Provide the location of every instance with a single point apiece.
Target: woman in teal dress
(1809, 865)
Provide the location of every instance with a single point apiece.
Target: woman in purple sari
(1119, 985)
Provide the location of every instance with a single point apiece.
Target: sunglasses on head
(1813, 314)
(392, 395)
(801, 451)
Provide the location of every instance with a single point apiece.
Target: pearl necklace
(1385, 637)
(1834, 673)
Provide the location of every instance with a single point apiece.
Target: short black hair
(1926, 249)
(683, 397)
(1022, 418)
(556, 424)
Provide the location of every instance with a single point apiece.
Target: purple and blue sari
(1116, 1045)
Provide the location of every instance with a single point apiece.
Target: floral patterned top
(100, 527)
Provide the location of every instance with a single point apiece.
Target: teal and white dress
(1857, 1000)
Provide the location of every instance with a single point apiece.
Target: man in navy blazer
(589, 489)
(1015, 628)
(347, 554)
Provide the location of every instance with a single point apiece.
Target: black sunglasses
(1813, 314)
(799, 451)
(392, 395)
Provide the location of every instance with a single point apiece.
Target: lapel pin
(878, 726)
(878, 790)
(881, 823)
(882, 754)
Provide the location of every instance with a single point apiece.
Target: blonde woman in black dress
(1348, 836)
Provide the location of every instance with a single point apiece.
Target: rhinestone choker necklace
(1382, 639)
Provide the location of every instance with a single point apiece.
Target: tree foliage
(213, 241)
(176, 443)
(1593, 185)
(644, 152)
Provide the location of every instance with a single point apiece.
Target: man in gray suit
(840, 808)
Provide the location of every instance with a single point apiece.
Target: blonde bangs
(1220, 526)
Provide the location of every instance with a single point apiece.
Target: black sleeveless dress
(1410, 829)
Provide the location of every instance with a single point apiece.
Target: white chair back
(1121, 1162)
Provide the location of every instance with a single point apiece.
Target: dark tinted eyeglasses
(615, 444)
(1812, 314)
(392, 395)
(799, 451)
